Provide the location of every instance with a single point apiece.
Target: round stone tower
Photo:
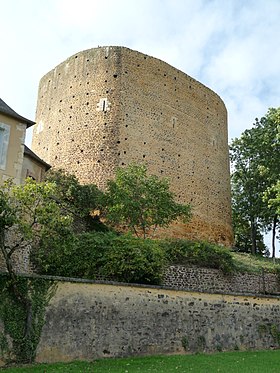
(107, 107)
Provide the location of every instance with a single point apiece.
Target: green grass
(254, 263)
(228, 362)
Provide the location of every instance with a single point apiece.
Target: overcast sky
(231, 46)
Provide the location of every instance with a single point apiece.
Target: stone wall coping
(143, 286)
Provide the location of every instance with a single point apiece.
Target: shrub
(199, 253)
(131, 259)
(79, 257)
(89, 255)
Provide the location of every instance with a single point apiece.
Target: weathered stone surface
(107, 107)
(87, 321)
(214, 281)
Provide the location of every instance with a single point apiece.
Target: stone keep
(109, 106)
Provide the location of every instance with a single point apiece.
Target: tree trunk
(253, 237)
(275, 221)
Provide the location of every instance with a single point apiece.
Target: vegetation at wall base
(200, 253)
(108, 255)
(126, 258)
(223, 362)
(15, 345)
(28, 214)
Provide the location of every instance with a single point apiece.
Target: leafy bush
(131, 259)
(199, 253)
(81, 256)
(89, 255)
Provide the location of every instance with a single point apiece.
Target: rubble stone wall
(89, 321)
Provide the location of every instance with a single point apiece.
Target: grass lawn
(254, 263)
(228, 362)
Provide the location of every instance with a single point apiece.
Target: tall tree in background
(256, 168)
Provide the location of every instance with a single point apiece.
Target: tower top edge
(119, 49)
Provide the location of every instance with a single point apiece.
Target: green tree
(142, 202)
(256, 168)
(83, 201)
(272, 196)
(28, 214)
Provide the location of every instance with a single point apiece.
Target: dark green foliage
(126, 258)
(185, 343)
(203, 254)
(91, 255)
(242, 236)
(81, 256)
(256, 169)
(131, 259)
(13, 315)
(83, 201)
(141, 202)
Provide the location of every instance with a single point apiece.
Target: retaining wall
(88, 321)
(210, 280)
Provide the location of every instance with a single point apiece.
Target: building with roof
(17, 161)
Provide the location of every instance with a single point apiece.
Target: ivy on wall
(15, 346)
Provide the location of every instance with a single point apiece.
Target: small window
(103, 105)
(4, 143)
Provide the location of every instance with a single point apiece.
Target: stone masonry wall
(214, 281)
(107, 107)
(88, 321)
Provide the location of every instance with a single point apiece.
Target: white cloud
(230, 46)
